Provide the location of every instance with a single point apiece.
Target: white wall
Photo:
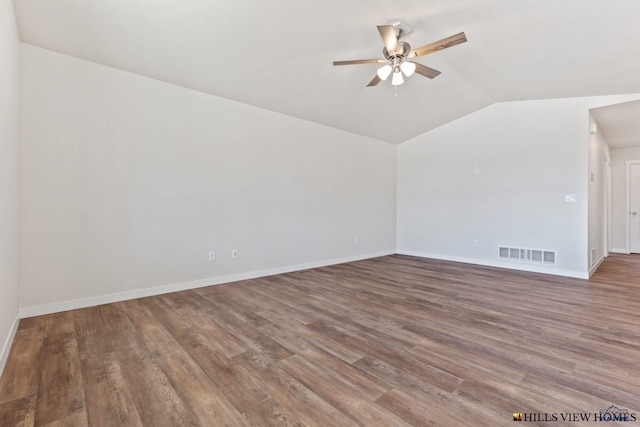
(8, 177)
(128, 182)
(619, 158)
(529, 155)
(598, 152)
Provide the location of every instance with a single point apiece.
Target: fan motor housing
(404, 48)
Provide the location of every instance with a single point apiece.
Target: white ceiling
(278, 54)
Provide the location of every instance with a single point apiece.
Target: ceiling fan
(397, 54)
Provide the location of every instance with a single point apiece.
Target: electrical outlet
(212, 256)
(355, 241)
(234, 254)
(476, 243)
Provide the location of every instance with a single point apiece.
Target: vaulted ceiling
(278, 54)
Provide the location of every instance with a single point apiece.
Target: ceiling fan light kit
(397, 54)
(397, 78)
(384, 71)
(408, 68)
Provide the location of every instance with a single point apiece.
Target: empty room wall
(8, 176)
(499, 177)
(128, 183)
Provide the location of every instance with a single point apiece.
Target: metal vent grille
(533, 256)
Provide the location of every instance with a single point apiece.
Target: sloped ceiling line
(278, 55)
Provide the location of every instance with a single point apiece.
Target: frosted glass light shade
(397, 78)
(383, 72)
(408, 68)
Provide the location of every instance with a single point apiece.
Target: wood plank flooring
(391, 341)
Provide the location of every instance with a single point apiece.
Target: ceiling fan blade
(359, 61)
(375, 81)
(438, 45)
(388, 34)
(426, 71)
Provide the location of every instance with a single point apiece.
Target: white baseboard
(619, 251)
(595, 266)
(56, 307)
(6, 348)
(532, 268)
(158, 290)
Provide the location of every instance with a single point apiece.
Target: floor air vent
(534, 256)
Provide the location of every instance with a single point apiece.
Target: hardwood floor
(391, 341)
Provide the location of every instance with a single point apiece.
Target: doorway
(633, 206)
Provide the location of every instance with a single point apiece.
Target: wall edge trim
(6, 348)
(38, 310)
(500, 264)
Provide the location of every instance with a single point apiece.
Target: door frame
(628, 206)
(606, 191)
